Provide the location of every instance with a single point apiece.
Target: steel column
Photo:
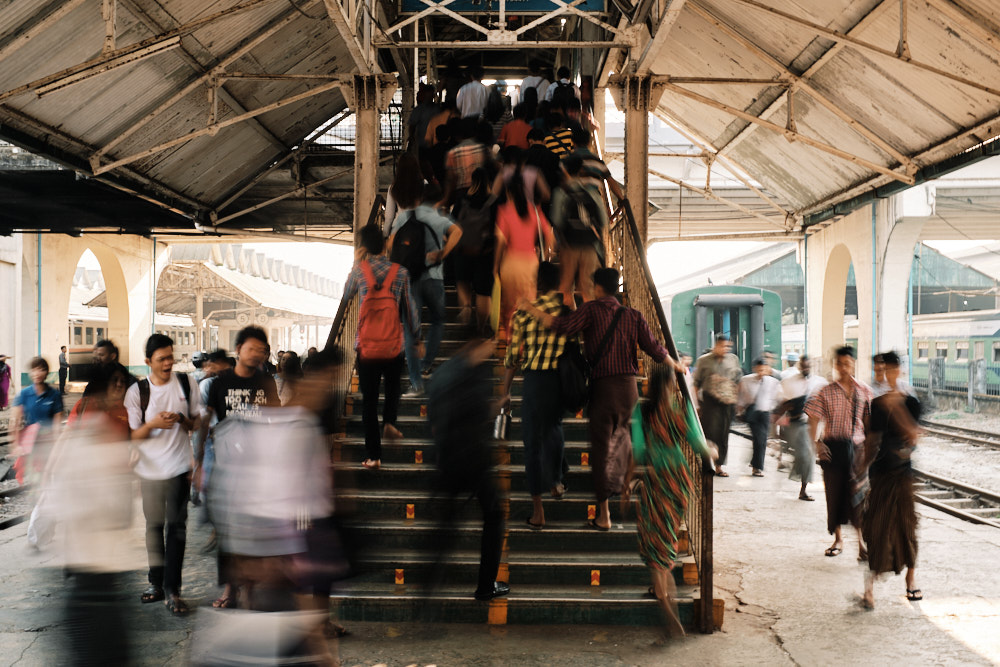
(637, 96)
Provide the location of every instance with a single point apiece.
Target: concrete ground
(785, 602)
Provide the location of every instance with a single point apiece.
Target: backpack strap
(185, 389)
(143, 398)
(607, 336)
(369, 276)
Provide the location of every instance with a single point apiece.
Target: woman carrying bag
(522, 235)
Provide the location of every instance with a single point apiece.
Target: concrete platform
(785, 602)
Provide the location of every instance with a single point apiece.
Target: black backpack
(584, 217)
(563, 93)
(477, 224)
(144, 393)
(575, 370)
(409, 246)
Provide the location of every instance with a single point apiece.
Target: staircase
(566, 573)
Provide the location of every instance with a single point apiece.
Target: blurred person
(594, 171)
(498, 111)
(386, 311)
(5, 374)
(311, 352)
(40, 407)
(757, 397)
(534, 80)
(162, 410)
(612, 334)
(291, 375)
(422, 114)
(536, 190)
(213, 363)
(890, 520)
(792, 360)
(106, 354)
(472, 97)
(438, 235)
(438, 154)
(243, 390)
(406, 191)
(460, 412)
(538, 155)
(476, 216)
(559, 140)
(468, 155)
(90, 490)
(715, 376)
(515, 133)
(841, 407)
(64, 367)
(560, 92)
(580, 219)
(535, 351)
(432, 135)
(795, 392)
(661, 427)
(522, 234)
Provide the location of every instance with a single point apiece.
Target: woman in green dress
(662, 427)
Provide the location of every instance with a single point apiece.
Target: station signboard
(493, 6)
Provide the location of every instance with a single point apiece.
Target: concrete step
(574, 429)
(417, 477)
(526, 604)
(409, 450)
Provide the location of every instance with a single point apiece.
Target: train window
(100, 333)
(78, 335)
(942, 350)
(996, 353)
(961, 350)
(923, 349)
(980, 349)
(90, 336)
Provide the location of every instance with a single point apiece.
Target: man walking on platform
(162, 411)
(63, 370)
(757, 396)
(611, 333)
(842, 408)
(715, 376)
(796, 390)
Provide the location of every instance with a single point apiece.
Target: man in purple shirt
(613, 392)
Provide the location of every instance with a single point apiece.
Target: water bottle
(501, 424)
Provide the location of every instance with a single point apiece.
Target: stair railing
(345, 324)
(627, 253)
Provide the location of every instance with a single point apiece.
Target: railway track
(969, 435)
(960, 500)
(19, 518)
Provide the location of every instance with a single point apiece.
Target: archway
(96, 273)
(838, 265)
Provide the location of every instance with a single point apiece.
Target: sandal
(151, 594)
(372, 464)
(535, 526)
(806, 497)
(833, 551)
(225, 602)
(176, 606)
(914, 594)
(721, 473)
(593, 524)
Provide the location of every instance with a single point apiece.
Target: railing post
(370, 94)
(706, 617)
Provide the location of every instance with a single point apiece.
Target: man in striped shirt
(842, 407)
(535, 350)
(613, 392)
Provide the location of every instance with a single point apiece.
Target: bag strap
(369, 276)
(541, 239)
(143, 398)
(607, 335)
(185, 389)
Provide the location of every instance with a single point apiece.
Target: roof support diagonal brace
(794, 136)
(346, 24)
(803, 84)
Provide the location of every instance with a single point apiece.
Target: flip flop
(593, 524)
(225, 602)
(152, 594)
(806, 498)
(721, 474)
(534, 526)
(833, 551)
(914, 594)
(176, 606)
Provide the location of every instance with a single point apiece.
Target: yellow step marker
(497, 614)
(595, 577)
(399, 577)
(423, 410)
(591, 511)
(410, 511)
(418, 456)
(585, 459)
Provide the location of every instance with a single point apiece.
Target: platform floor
(785, 602)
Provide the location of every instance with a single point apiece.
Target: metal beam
(652, 49)
(788, 134)
(735, 236)
(510, 46)
(213, 129)
(865, 46)
(241, 50)
(801, 83)
(274, 200)
(708, 194)
(345, 28)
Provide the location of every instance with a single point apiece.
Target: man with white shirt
(534, 80)
(879, 383)
(472, 96)
(758, 393)
(796, 390)
(162, 412)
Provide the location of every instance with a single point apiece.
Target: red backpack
(380, 331)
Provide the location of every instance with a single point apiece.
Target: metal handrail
(628, 254)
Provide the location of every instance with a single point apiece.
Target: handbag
(542, 255)
(575, 370)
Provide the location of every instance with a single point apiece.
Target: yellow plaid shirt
(537, 348)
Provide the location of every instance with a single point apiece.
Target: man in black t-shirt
(243, 390)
